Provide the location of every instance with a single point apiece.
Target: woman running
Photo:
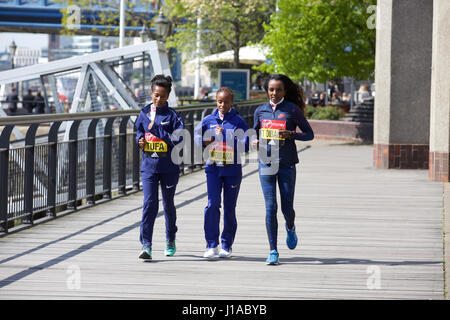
(155, 125)
(223, 171)
(275, 123)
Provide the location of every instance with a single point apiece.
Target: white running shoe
(224, 253)
(211, 252)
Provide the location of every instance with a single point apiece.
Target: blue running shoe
(291, 239)
(273, 258)
(170, 248)
(146, 253)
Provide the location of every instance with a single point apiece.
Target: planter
(342, 130)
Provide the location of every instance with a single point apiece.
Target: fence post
(73, 162)
(90, 162)
(52, 166)
(136, 162)
(107, 148)
(30, 139)
(123, 155)
(4, 165)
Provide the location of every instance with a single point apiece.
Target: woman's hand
(284, 134)
(141, 143)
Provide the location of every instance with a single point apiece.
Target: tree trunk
(236, 58)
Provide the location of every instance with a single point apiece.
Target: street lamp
(144, 33)
(162, 26)
(12, 51)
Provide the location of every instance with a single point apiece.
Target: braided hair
(161, 80)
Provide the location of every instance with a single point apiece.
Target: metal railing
(43, 175)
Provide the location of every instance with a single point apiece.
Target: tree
(226, 24)
(321, 40)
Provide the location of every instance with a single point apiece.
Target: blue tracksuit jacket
(231, 122)
(157, 159)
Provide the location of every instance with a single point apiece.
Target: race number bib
(154, 144)
(270, 129)
(221, 153)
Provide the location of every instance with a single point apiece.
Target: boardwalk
(364, 234)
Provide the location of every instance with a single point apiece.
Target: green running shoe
(146, 253)
(171, 248)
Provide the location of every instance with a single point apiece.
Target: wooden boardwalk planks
(364, 234)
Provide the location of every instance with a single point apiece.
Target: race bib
(221, 153)
(270, 129)
(154, 144)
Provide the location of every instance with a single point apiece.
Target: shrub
(309, 111)
(324, 113)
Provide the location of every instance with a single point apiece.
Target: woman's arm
(301, 122)
(140, 133)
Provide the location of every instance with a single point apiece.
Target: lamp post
(162, 26)
(12, 51)
(197, 60)
(145, 36)
(145, 33)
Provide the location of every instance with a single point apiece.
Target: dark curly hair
(294, 92)
(161, 80)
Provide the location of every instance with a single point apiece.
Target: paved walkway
(364, 234)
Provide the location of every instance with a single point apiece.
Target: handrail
(46, 118)
(41, 179)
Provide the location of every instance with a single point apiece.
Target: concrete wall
(403, 71)
(403, 83)
(440, 94)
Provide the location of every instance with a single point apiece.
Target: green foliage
(321, 40)
(309, 111)
(324, 113)
(225, 24)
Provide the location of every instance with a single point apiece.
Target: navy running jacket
(288, 116)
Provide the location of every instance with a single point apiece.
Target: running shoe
(171, 248)
(211, 252)
(273, 258)
(146, 253)
(224, 253)
(291, 239)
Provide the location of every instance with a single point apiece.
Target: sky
(26, 40)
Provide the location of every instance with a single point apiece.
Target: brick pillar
(440, 94)
(403, 84)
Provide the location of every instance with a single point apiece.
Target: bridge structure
(45, 16)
